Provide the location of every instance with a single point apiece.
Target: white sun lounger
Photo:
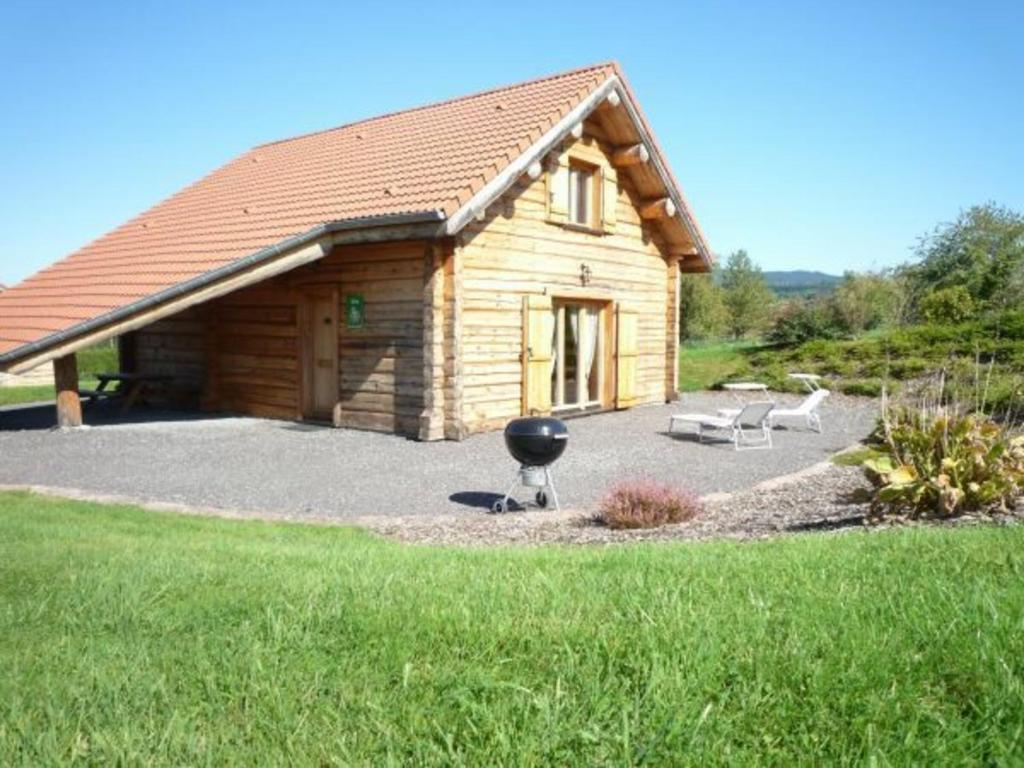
(810, 380)
(741, 425)
(807, 410)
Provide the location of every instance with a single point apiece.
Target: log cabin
(433, 272)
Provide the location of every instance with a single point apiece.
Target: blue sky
(817, 135)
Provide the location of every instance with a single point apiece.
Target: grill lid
(536, 441)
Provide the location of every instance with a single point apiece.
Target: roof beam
(684, 252)
(662, 208)
(634, 154)
(658, 163)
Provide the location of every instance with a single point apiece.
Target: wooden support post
(65, 377)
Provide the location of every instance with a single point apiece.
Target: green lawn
(136, 637)
(702, 365)
(91, 360)
(37, 394)
(19, 395)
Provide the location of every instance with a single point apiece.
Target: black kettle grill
(536, 443)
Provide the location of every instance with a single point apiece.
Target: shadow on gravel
(43, 416)
(710, 440)
(478, 499)
(485, 500)
(304, 426)
(854, 521)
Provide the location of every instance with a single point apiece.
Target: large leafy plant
(940, 461)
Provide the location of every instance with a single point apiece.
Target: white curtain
(589, 348)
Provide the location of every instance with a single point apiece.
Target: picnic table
(130, 386)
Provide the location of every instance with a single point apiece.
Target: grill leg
(508, 493)
(551, 486)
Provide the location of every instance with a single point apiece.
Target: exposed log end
(662, 208)
(614, 99)
(623, 157)
(684, 252)
(535, 170)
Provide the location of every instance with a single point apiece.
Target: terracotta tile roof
(431, 158)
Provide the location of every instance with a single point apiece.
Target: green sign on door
(355, 310)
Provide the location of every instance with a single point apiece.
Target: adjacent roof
(433, 160)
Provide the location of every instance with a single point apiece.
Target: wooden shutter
(538, 328)
(558, 192)
(609, 190)
(626, 354)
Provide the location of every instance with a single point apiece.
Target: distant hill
(801, 282)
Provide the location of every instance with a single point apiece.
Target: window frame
(593, 203)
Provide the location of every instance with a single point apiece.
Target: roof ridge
(430, 105)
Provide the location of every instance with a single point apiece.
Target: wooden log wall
(253, 352)
(382, 364)
(244, 350)
(516, 250)
(174, 346)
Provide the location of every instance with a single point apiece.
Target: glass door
(578, 346)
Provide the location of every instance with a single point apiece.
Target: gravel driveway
(303, 470)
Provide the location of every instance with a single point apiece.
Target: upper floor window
(582, 199)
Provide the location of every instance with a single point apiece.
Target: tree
(702, 313)
(805, 319)
(947, 305)
(747, 297)
(982, 251)
(866, 300)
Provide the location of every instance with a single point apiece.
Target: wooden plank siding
(174, 346)
(517, 251)
(243, 350)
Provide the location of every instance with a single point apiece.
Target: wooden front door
(321, 378)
